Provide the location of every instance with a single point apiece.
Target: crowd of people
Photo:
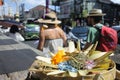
(52, 36)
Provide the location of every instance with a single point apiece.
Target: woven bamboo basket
(117, 75)
(106, 75)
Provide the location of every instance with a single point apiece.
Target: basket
(106, 75)
(117, 75)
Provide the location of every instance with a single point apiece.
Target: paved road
(32, 43)
(15, 59)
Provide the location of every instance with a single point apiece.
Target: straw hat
(96, 12)
(50, 18)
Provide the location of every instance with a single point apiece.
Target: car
(31, 31)
(117, 28)
(81, 33)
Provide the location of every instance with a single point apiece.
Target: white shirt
(52, 46)
(17, 36)
(70, 35)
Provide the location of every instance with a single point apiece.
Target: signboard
(66, 8)
(64, 16)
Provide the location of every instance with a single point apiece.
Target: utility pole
(17, 7)
(47, 6)
(74, 8)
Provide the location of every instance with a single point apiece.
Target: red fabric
(1, 2)
(108, 40)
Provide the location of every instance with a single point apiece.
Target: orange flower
(59, 57)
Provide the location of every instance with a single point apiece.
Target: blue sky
(28, 4)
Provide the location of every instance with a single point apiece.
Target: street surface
(32, 43)
(16, 58)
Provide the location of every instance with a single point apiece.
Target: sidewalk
(15, 58)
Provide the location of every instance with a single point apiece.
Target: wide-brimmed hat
(96, 12)
(50, 18)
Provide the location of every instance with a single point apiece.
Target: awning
(115, 1)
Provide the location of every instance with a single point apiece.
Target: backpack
(108, 39)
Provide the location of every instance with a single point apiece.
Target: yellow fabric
(43, 28)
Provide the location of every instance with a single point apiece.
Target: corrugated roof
(110, 1)
(115, 1)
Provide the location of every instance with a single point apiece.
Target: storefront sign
(66, 8)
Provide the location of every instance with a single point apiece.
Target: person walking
(51, 35)
(106, 36)
(14, 33)
(93, 19)
(69, 33)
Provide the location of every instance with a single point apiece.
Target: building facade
(112, 12)
(79, 8)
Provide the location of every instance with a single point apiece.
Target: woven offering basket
(40, 73)
(117, 75)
